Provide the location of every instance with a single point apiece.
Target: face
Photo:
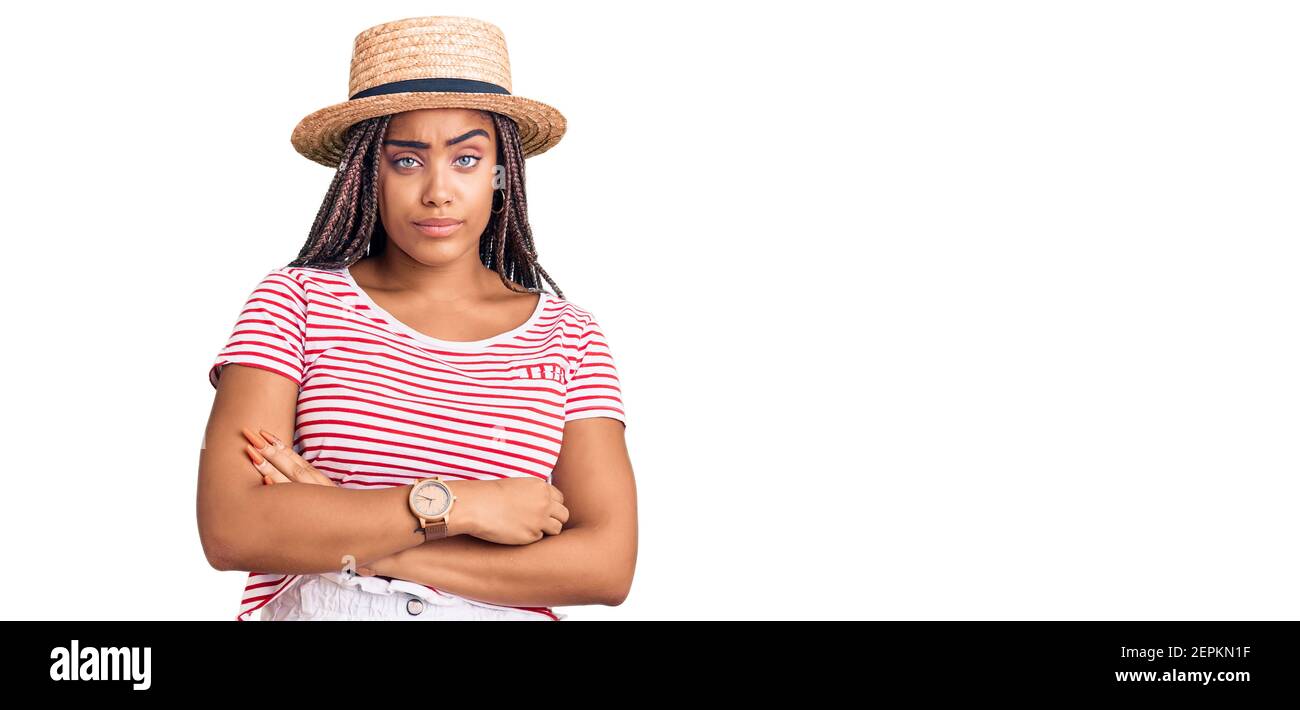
(431, 499)
(437, 164)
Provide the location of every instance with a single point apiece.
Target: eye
(475, 158)
(398, 161)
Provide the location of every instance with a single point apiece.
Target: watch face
(432, 498)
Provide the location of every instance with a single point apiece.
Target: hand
(517, 511)
(277, 463)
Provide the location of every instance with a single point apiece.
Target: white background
(926, 310)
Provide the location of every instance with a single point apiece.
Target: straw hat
(427, 62)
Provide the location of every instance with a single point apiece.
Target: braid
(348, 227)
(507, 243)
(348, 217)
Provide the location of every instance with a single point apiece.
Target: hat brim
(320, 135)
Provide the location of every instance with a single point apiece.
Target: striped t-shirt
(381, 404)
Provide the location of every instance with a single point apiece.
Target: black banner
(1013, 658)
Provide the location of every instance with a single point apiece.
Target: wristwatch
(431, 500)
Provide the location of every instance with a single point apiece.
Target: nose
(437, 187)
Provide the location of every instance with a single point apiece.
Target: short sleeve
(593, 388)
(271, 330)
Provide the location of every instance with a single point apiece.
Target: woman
(412, 340)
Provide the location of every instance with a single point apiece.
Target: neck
(448, 283)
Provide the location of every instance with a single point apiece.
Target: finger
(294, 465)
(269, 473)
(560, 513)
(264, 449)
(284, 460)
(254, 439)
(264, 468)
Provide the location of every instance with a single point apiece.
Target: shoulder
(568, 312)
(309, 274)
(308, 282)
(298, 289)
(578, 324)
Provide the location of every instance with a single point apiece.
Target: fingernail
(254, 439)
(253, 454)
(272, 438)
(267, 480)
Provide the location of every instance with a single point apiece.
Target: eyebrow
(425, 146)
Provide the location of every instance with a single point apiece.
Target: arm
(293, 529)
(590, 562)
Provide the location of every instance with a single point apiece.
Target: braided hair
(348, 227)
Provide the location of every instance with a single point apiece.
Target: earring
(503, 201)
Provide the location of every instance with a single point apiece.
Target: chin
(438, 252)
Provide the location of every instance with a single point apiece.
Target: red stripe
(594, 409)
(215, 368)
(241, 357)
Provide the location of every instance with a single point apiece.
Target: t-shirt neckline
(361, 295)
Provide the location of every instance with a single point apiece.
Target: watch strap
(435, 530)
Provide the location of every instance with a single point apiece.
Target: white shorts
(334, 597)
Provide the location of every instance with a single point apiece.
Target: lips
(437, 227)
